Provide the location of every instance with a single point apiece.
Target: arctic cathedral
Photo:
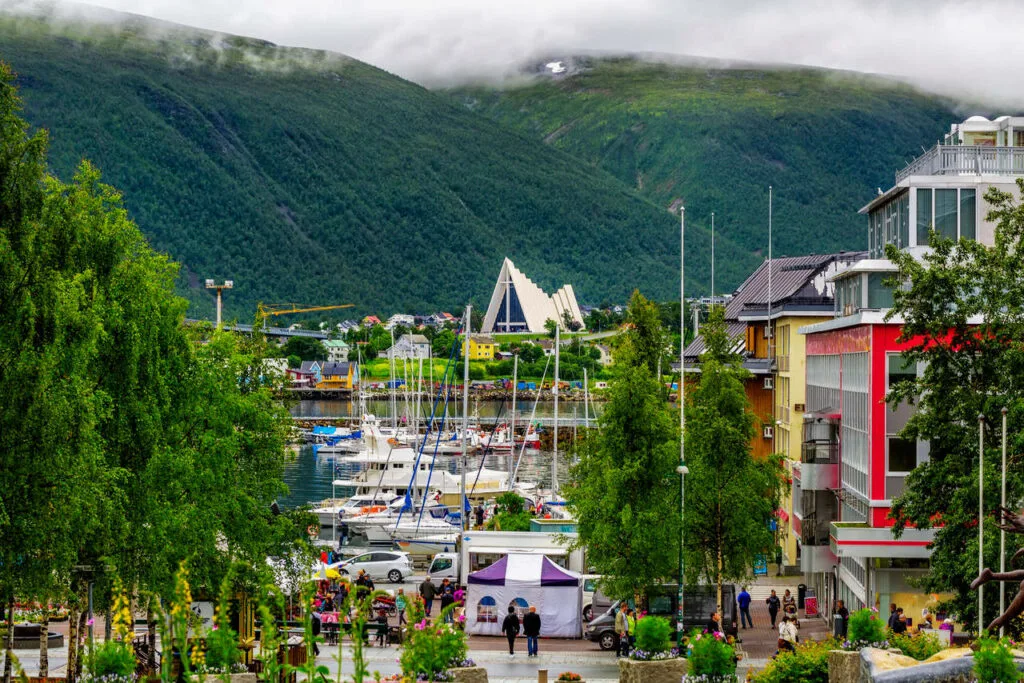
(518, 305)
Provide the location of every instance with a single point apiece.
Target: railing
(966, 160)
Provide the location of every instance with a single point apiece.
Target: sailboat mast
(586, 400)
(465, 415)
(394, 403)
(554, 457)
(512, 424)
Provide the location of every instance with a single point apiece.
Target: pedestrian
(841, 619)
(400, 605)
(622, 630)
(382, 629)
(899, 622)
(714, 624)
(773, 607)
(631, 627)
(743, 599)
(510, 627)
(892, 614)
(531, 629)
(447, 600)
(787, 635)
(788, 604)
(479, 515)
(427, 591)
(315, 624)
(343, 532)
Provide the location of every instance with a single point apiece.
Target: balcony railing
(966, 160)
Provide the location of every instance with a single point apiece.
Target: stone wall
(469, 674)
(662, 671)
(844, 666)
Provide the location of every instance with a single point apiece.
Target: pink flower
(90, 622)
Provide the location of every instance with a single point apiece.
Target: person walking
(315, 624)
(400, 605)
(743, 599)
(428, 591)
(787, 635)
(631, 627)
(788, 604)
(773, 603)
(899, 622)
(841, 619)
(622, 630)
(531, 629)
(479, 512)
(510, 627)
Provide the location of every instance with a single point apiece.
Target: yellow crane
(264, 311)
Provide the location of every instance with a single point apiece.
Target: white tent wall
(560, 608)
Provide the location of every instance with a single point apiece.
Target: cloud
(947, 46)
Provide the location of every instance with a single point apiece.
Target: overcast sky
(971, 48)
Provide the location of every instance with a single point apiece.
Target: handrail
(966, 160)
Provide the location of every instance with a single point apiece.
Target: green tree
(551, 325)
(306, 348)
(963, 314)
(731, 496)
(624, 488)
(441, 345)
(530, 353)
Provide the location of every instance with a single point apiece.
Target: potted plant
(570, 676)
(653, 660)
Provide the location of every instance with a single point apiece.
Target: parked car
(589, 591)
(698, 604)
(380, 564)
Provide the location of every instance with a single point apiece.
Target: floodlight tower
(227, 284)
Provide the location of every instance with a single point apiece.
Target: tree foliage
(127, 441)
(731, 496)
(963, 320)
(624, 490)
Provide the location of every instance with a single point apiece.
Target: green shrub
(809, 664)
(920, 647)
(711, 656)
(866, 628)
(993, 661)
(222, 651)
(430, 647)
(653, 634)
(111, 658)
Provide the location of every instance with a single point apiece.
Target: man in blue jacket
(743, 599)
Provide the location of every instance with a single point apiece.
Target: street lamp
(682, 469)
(220, 287)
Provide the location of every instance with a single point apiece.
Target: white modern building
(518, 305)
(337, 350)
(409, 346)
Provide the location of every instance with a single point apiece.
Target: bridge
(276, 332)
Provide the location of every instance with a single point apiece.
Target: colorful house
(339, 376)
(337, 350)
(481, 347)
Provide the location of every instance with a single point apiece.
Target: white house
(337, 350)
(409, 346)
(400, 319)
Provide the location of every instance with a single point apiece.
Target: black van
(661, 601)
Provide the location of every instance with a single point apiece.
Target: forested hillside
(306, 176)
(719, 137)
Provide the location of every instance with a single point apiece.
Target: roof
(482, 339)
(307, 365)
(415, 338)
(336, 369)
(524, 569)
(335, 344)
(735, 330)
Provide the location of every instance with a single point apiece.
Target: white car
(379, 564)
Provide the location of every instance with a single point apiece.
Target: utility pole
(465, 415)
(220, 287)
(682, 469)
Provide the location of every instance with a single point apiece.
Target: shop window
(487, 610)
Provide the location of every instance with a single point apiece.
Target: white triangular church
(518, 305)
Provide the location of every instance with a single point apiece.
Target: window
(900, 368)
(441, 564)
(589, 585)
(967, 215)
(945, 213)
(879, 295)
(521, 606)
(487, 610)
(902, 454)
(362, 558)
(660, 604)
(924, 215)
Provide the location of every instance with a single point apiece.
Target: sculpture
(1011, 522)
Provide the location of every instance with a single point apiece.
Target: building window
(879, 295)
(945, 213)
(902, 455)
(968, 217)
(924, 215)
(900, 369)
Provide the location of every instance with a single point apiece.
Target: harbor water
(309, 476)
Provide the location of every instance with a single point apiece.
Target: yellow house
(339, 376)
(481, 348)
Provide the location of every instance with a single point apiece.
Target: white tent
(525, 580)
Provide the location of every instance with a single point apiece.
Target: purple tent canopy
(524, 569)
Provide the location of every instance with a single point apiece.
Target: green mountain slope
(310, 177)
(717, 138)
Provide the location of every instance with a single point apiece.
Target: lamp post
(682, 469)
(220, 287)
(981, 516)
(1002, 532)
